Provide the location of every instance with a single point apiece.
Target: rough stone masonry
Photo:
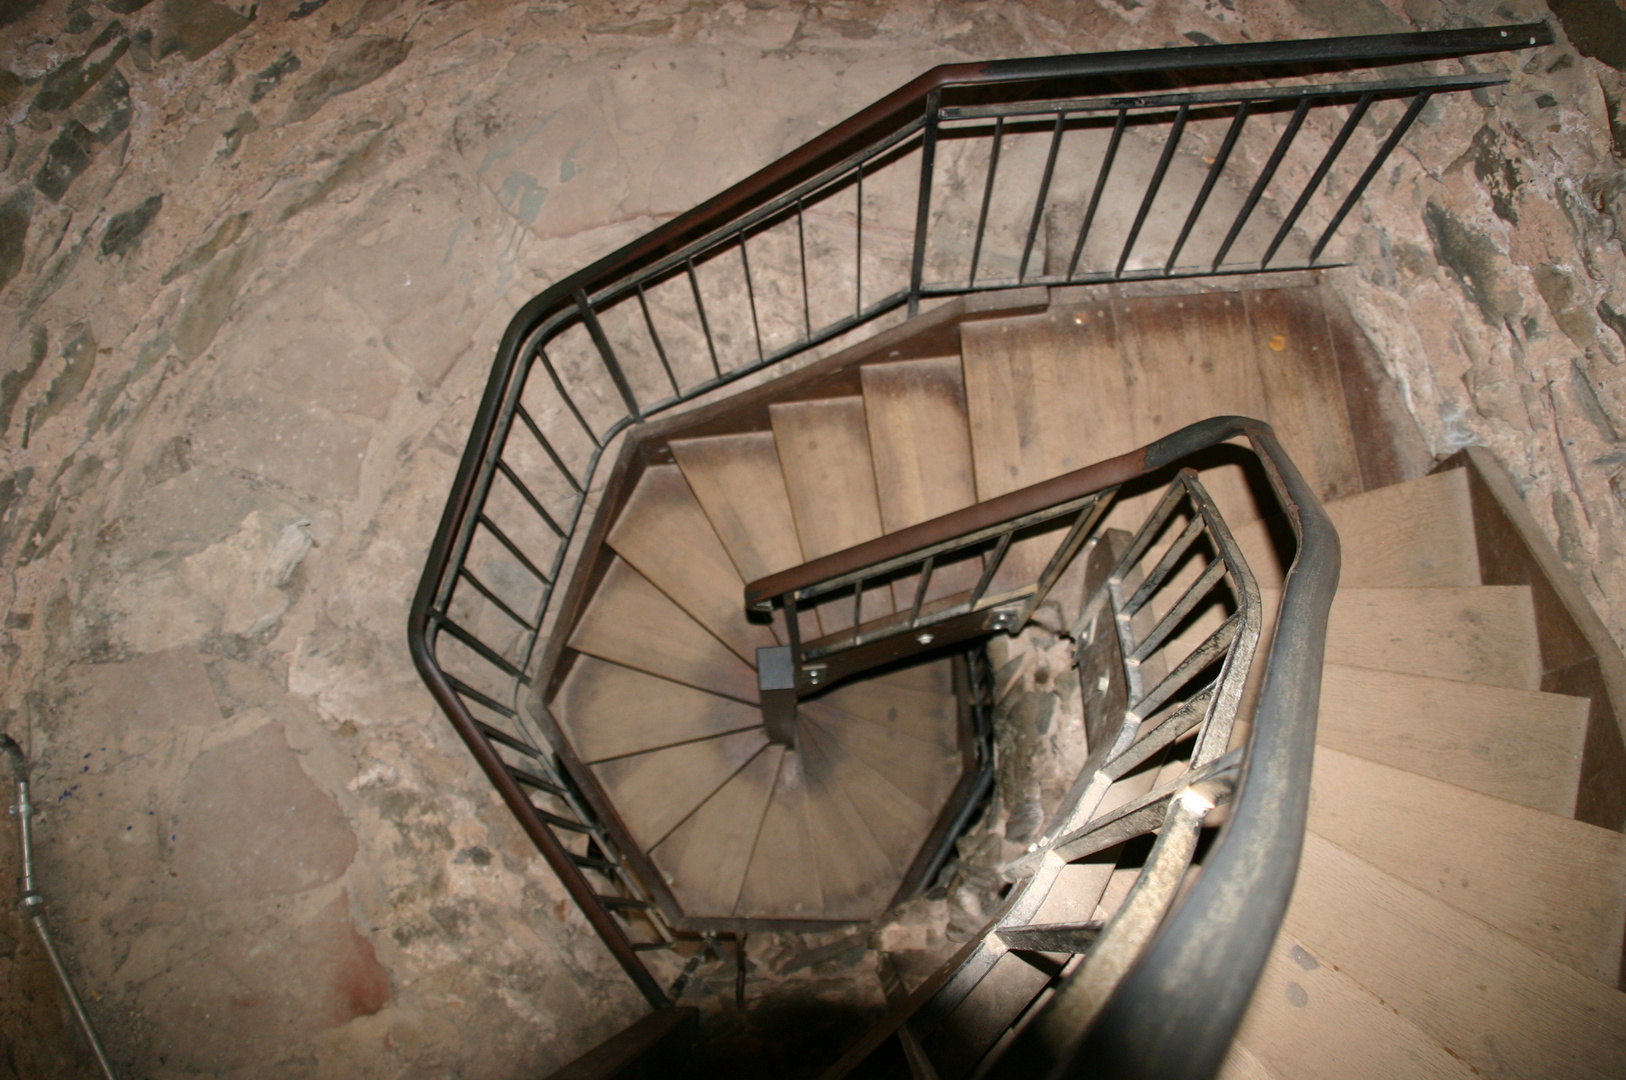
(254, 262)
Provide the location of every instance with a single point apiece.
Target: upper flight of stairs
(1451, 918)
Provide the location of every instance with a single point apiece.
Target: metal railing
(865, 222)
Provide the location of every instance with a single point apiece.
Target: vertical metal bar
(988, 571)
(1100, 186)
(987, 197)
(793, 632)
(1214, 171)
(699, 306)
(923, 205)
(1044, 193)
(1088, 517)
(801, 247)
(1289, 133)
(606, 353)
(1320, 174)
(547, 447)
(920, 590)
(660, 350)
(1175, 131)
(751, 296)
(1383, 153)
(547, 366)
(858, 612)
(858, 260)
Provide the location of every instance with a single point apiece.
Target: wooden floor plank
(654, 791)
(704, 859)
(666, 536)
(631, 622)
(1495, 1003)
(1556, 884)
(1520, 745)
(782, 881)
(608, 710)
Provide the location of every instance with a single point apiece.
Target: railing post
(923, 208)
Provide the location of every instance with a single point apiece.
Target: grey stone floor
(253, 266)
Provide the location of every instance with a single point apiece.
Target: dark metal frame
(609, 388)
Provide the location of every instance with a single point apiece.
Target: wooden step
(1556, 884)
(897, 822)
(935, 677)
(1493, 1002)
(633, 623)
(1188, 358)
(830, 475)
(932, 718)
(665, 535)
(608, 710)
(655, 791)
(1310, 1021)
(921, 443)
(737, 481)
(1519, 745)
(1418, 534)
(782, 881)
(704, 859)
(855, 876)
(923, 771)
(1484, 634)
(1241, 1064)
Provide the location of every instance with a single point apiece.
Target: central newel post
(776, 684)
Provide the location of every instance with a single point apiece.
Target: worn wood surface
(782, 880)
(654, 791)
(608, 710)
(704, 858)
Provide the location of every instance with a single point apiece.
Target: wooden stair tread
(782, 880)
(855, 876)
(1418, 534)
(934, 677)
(608, 710)
(1310, 1021)
(919, 438)
(1484, 634)
(654, 791)
(737, 481)
(1556, 884)
(932, 718)
(1500, 1006)
(1189, 358)
(1520, 745)
(830, 476)
(922, 771)
(897, 822)
(1241, 1064)
(665, 535)
(632, 622)
(704, 859)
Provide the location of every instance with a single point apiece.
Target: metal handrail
(565, 418)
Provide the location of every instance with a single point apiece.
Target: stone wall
(254, 262)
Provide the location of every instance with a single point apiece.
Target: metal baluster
(569, 402)
(1100, 186)
(858, 613)
(1289, 133)
(1175, 131)
(536, 433)
(606, 353)
(1044, 193)
(1214, 171)
(700, 307)
(1320, 173)
(920, 590)
(1388, 146)
(987, 197)
(988, 571)
(923, 206)
(751, 296)
(660, 350)
(525, 493)
(858, 258)
(801, 248)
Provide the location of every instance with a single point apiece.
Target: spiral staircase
(693, 765)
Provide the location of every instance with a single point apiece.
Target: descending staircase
(696, 751)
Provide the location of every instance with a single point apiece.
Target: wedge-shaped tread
(978, 1021)
(921, 770)
(897, 822)
(855, 876)
(920, 439)
(653, 792)
(1241, 1064)
(1519, 745)
(1485, 634)
(782, 881)
(1556, 884)
(737, 481)
(1309, 1021)
(704, 859)
(931, 718)
(665, 535)
(608, 710)
(632, 622)
(1419, 534)
(1497, 1004)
